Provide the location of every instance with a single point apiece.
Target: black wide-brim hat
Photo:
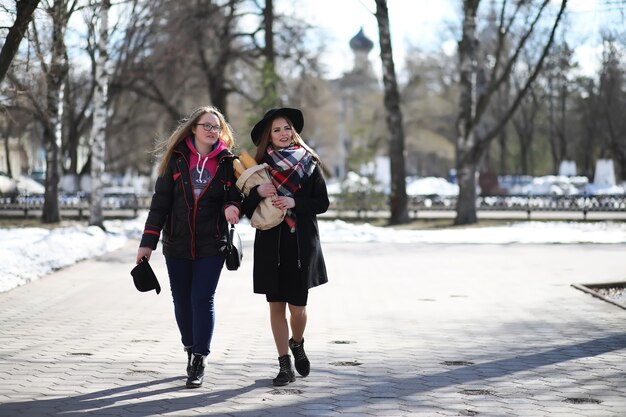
(294, 115)
(144, 278)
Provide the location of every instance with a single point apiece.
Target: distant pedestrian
(288, 258)
(194, 198)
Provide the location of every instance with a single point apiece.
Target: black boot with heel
(189, 355)
(196, 374)
(303, 366)
(286, 373)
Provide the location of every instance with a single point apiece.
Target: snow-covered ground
(27, 254)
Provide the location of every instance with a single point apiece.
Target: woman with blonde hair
(288, 258)
(194, 200)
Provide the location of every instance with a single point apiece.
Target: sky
(429, 25)
(29, 254)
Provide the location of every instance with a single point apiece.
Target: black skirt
(292, 288)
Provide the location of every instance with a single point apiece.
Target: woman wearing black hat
(288, 258)
(194, 199)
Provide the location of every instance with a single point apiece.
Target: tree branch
(485, 140)
(494, 85)
(25, 10)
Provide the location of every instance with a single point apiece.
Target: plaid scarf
(289, 168)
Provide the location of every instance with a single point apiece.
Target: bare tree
(282, 45)
(558, 67)
(524, 123)
(473, 136)
(56, 73)
(398, 198)
(155, 60)
(589, 112)
(269, 78)
(217, 23)
(77, 118)
(98, 129)
(184, 55)
(613, 102)
(24, 14)
(7, 130)
(53, 63)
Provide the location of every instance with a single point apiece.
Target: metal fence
(583, 204)
(353, 205)
(76, 205)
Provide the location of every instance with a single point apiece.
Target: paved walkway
(401, 330)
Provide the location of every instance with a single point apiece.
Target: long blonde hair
(266, 140)
(167, 146)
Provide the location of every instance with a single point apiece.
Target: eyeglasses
(208, 127)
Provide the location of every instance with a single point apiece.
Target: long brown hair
(266, 140)
(166, 147)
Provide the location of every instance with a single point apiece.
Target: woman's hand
(143, 251)
(232, 214)
(266, 190)
(283, 203)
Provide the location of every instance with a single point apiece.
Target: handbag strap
(229, 239)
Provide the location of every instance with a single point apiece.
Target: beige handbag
(266, 215)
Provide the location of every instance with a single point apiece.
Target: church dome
(360, 42)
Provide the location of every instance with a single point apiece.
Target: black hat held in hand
(144, 278)
(294, 115)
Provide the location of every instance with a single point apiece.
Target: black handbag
(233, 251)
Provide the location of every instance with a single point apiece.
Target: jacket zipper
(217, 221)
(185, 165)
(298, 247)
(195, 211)
(280, 232)
(193, 229)
(195, 204)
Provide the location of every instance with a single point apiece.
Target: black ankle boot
(303, 366)
(196, 374)
(286, 373)
(189, 355)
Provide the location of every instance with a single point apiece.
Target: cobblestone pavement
(400, 330)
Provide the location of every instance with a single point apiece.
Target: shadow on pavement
(107, 402)
(381, 389)
(378, 388)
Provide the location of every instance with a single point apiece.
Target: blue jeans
(193, 284)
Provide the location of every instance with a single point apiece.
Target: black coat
(308, 266)
(191, 228)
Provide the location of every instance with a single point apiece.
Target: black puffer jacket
(270, 252)
(191, 228)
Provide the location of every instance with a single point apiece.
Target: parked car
(38, 176)
(29, 186)
(8, 187)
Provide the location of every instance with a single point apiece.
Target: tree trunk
(504, 152)
(269, 77)
(466, 202)
(218, 93)
(398, 198)
(50, 212)
(98, 130)
(55, 78)
(524, 126)
(563, 93)
(7, 154)
(473, 137)
(552, 123)
(466, 140)
(25, 10)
